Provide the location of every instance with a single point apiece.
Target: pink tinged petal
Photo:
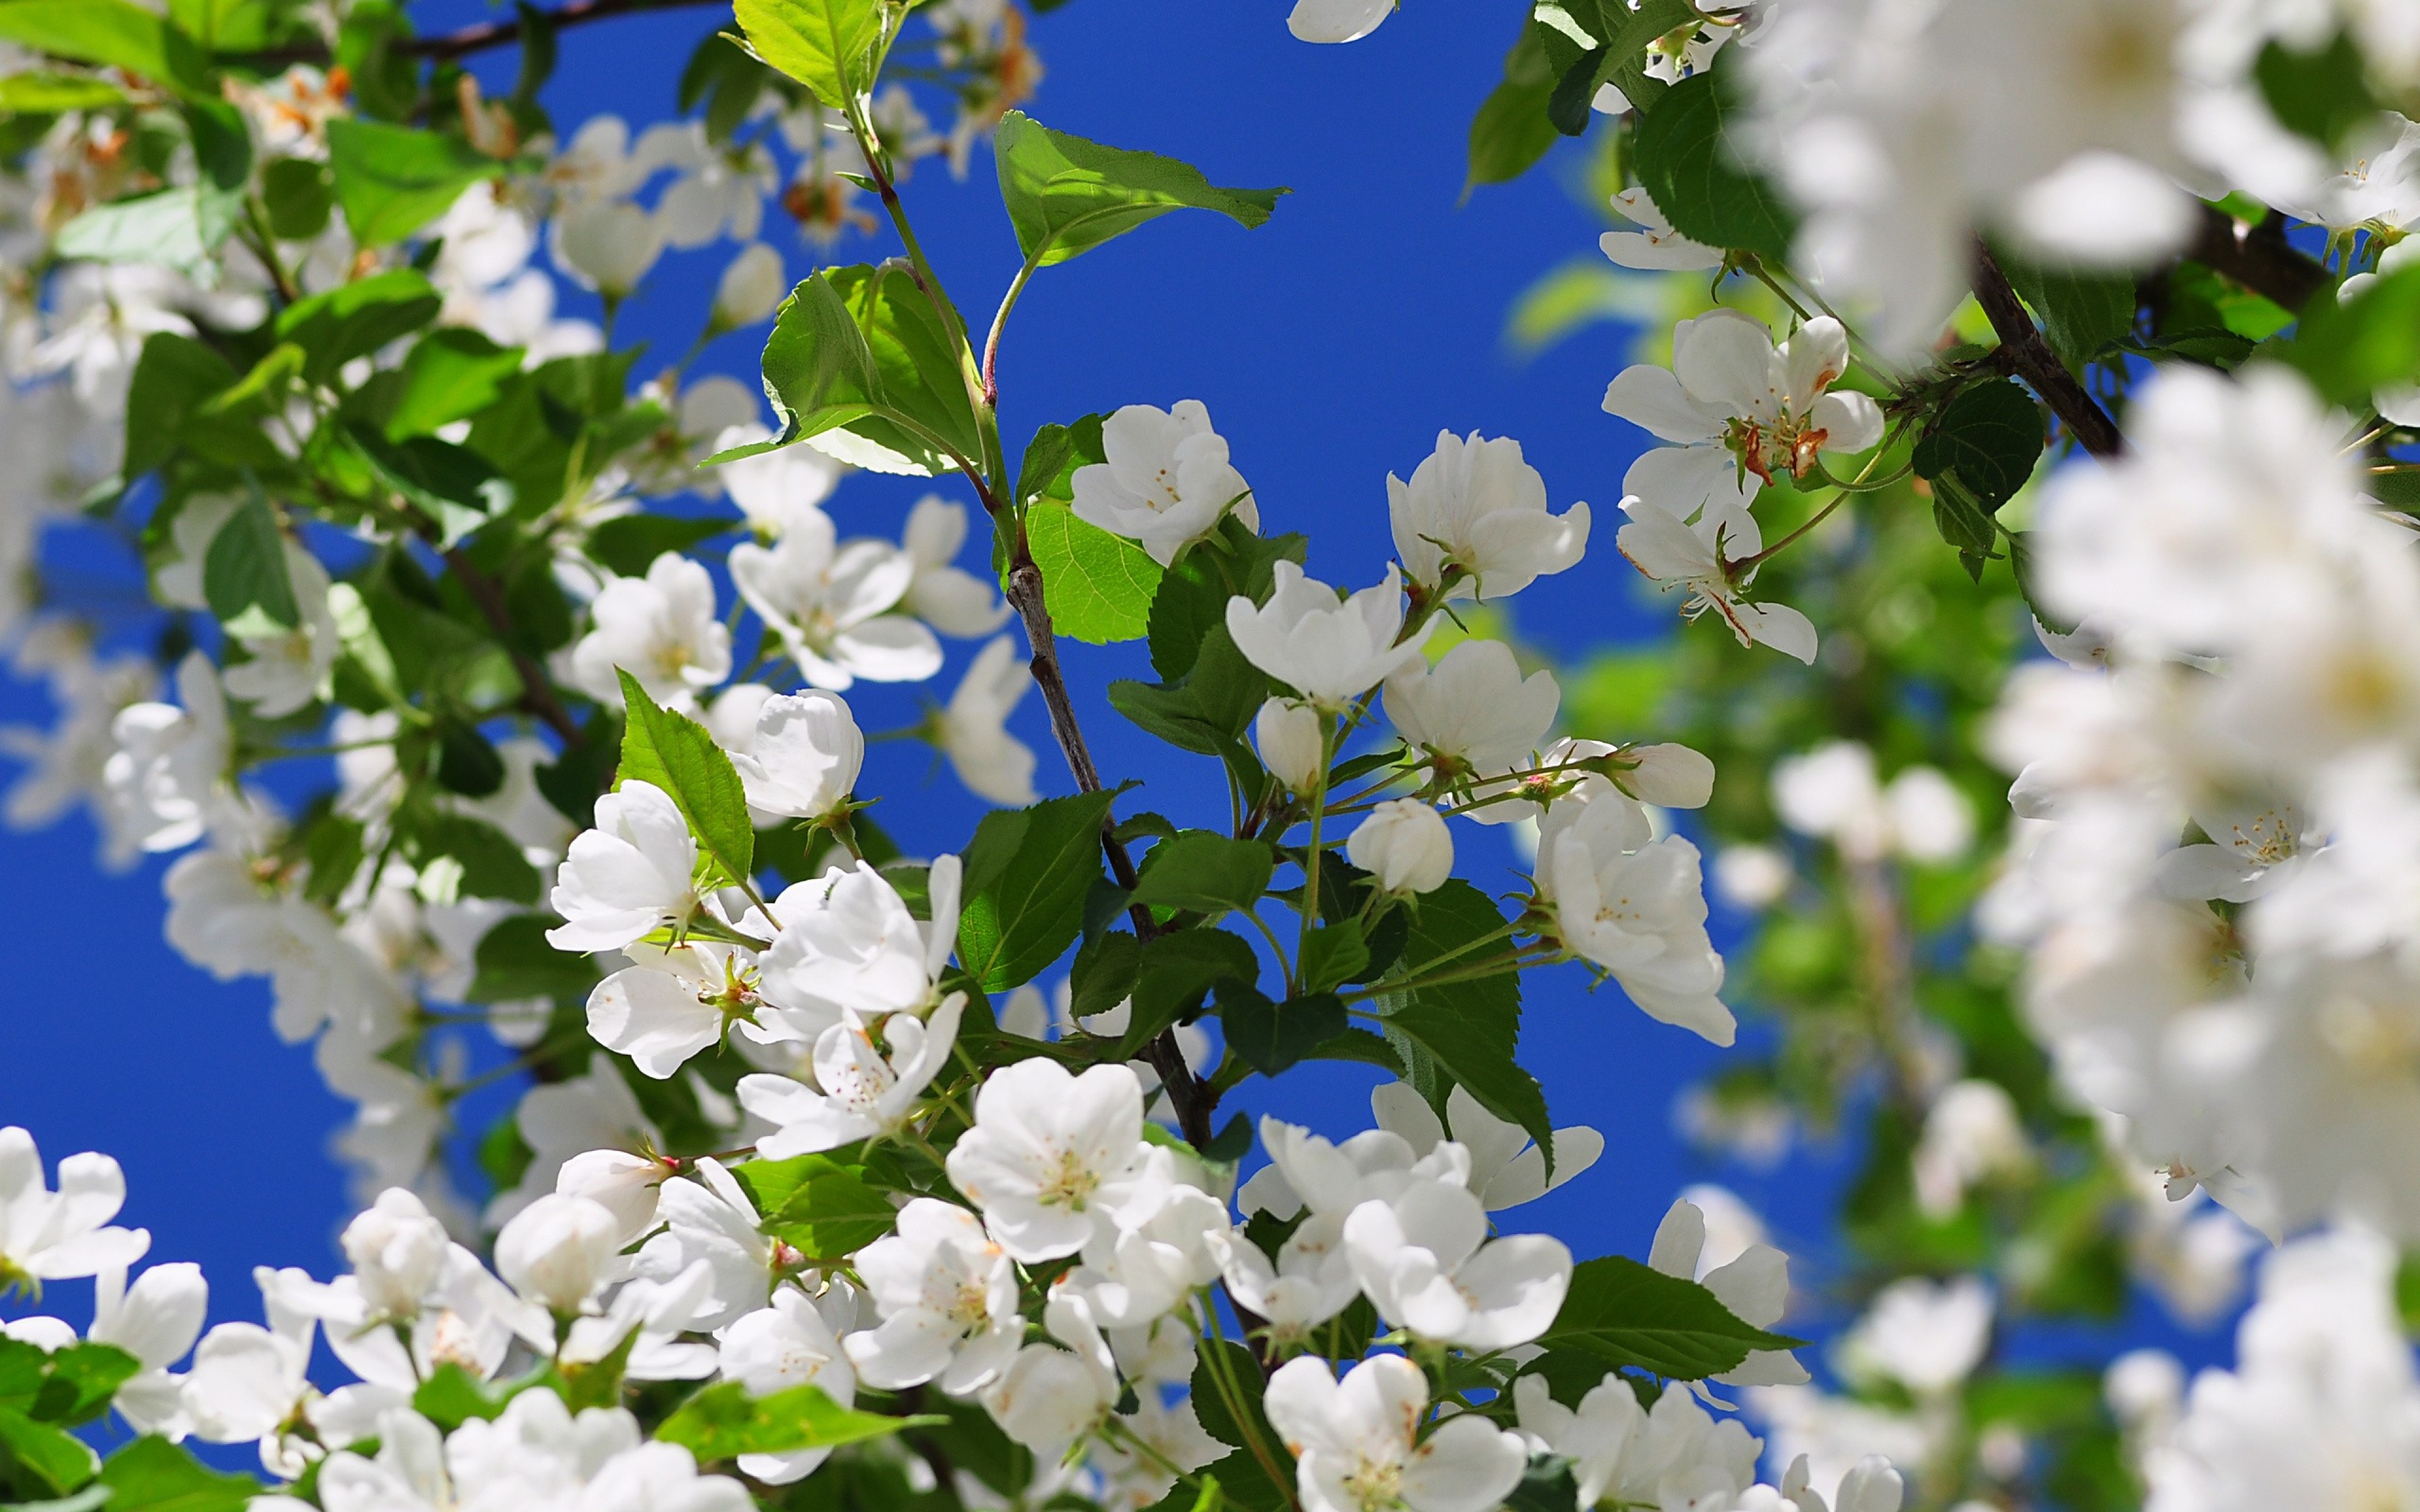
(1301, 1404)
(1818, 355)
(1467, 1465)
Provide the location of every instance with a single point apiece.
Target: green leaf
(55, 94)
(1242, 1479)
(1685, 157)
(2081, 312)
(1191, 602)
(1104, 973)
(1177, 972)
(174, 377)
(1209, 710)
(453, 485)
(246, 568)
(1028, 873)
(727, 78)
(299, 196)
(111, 32)
(1991, 435)
(392, 180)
(1628, 33)
(723, 1421)
(1469, 1030)
(1067, 195)
(833, 47)
(515, 962)
(629, 544)
(154, 1475)
(493, 866)
(180, 227)
(2349, 349)
(862, 352)
(675, 754)
(817, 1206)
(38, 1461)
(451, 1396)
(1627, 1313)
(81, 1379)
(1332, 955)
(1510, 132)
(1272, 1037)
(1204, 872)
(1097, 586)
(356, 320)
(452, 374)
(2322, 94)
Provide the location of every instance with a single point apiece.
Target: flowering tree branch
(2034, 362)
(2257, 256)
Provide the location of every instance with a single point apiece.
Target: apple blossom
(1423, 1257)
(1330, 651)
(943, 595)
(1405, 846)
(1352, 1441)
(752, 285)
(867, 1092)
(1166, 482)
(786, 1344)
(662, 629)
(849, 945)
(1051, 1155)
(628, 876)
(1712, 563)
(946, 1293)
(1506, 1169)
(803, 757)
(1472, 709)
(971, 730)
(1473, 522)
(57, 1235)
(835, 604)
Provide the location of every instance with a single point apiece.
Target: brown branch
(2258, 258)
(537, 692)
(489, 34)
(2034, 362)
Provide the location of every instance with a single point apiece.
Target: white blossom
(804, 755)
(836, 604)
(943, 595)
(628, 877)
(1328, 650)
(1506, 1169)
(971, 730)
(1655, 245)
(57, 1235)
(1166, 482)
(867, 1091)
(1476, 512)
(1352, 1441)
(1404, 845)
(662, 629)
(1051, 1155)
(946, 1292)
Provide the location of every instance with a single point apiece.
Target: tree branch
(537, 692)
(2258, 258)
(2033, 360)
(490, 34)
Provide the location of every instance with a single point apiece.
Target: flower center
(1070, 1183)
(1375, 1485)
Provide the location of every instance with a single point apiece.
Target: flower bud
(1403, 844)
(556, 1250)
(1289, 738)
(624, 1184)
(398, 1251)
(1671, 777)
(608, 245)
(804, 756)
(752, 288)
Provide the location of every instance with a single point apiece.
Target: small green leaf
(860, 352)
(1510, 132)
(37, 1460)
(299, 196)
(392, 180)
(675, 754)
(1686, 160)
(830, 46)
(1469, 1030)
(154, 1475)
(55, 94)
(1178, 971)
(1098, 587)
(819, 1207)
(451, 1396)
(246, 568)
(723, 1421)
(1332, 955)
(2322, 94)
(174, 377)
(180, 227)
(1104, 974)
(1204, 872)
(356, 320)
(1626, 1314)
(492, 866)
(1067, 195)
(81, 1379)
(1209, 709)
(1028, 873)
(1991, 435)
(629, 544)
(2082, 313)
(2350, 350)
(452, 374)
(1272, 1037)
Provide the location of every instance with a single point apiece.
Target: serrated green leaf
(39, 1461)
(723, 1421)
(1627, 1313)
(1028, 874)
(861, 352)
(821, 1208)
(1273, 1037)
(674, 754)
(451, 374)
(830, 46)
(1687, 160)
(1991, 435)
(1471, 1030)
(1176, 972)
(2081, 312)
(356, 320)
(1098, 587)
(1067, 195)
(1204, 872)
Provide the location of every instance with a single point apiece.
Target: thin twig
(537, 694)
(2038, 364)
(489, 34)
(2259, 258)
